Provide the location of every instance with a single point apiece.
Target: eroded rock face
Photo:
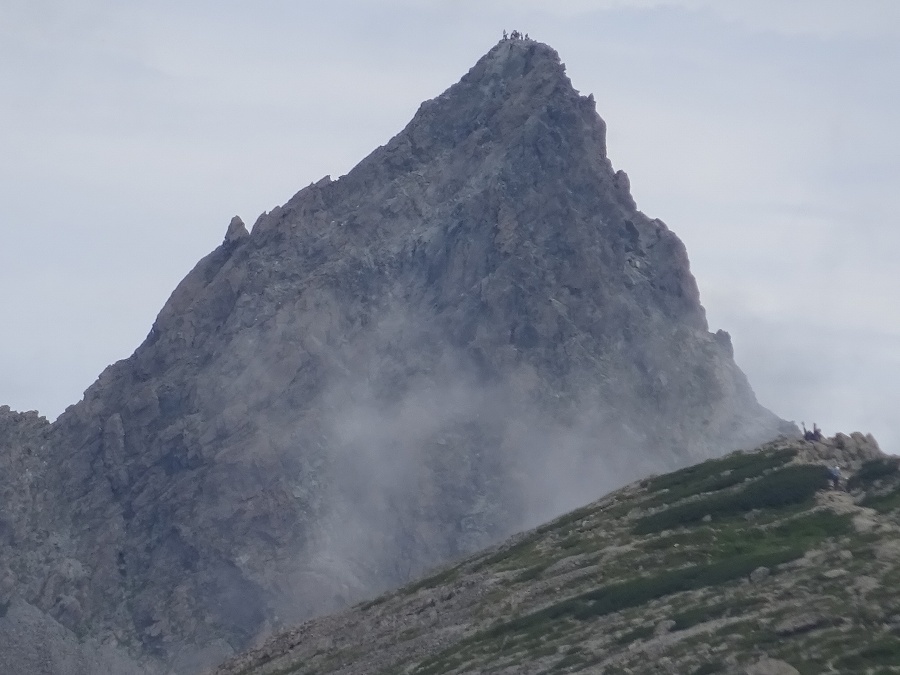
(471, 331)
(36, 644)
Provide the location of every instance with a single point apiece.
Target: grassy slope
(703, 570)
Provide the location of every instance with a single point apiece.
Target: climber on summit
(814, 435)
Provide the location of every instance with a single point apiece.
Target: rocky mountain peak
(517, 83)
(513, 114)
(471, 331)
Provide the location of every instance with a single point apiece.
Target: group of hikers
(834, 472)
(515, 35)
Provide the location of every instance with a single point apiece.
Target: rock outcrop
(471, 331)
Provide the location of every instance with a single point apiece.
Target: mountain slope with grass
(749, 563)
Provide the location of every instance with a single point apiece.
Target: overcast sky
(765, 133)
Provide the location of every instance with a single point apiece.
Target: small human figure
(835, 475)
(505, 35)
(811, 435)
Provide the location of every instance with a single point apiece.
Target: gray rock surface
(759, 574)
(473, 330)
(767, 666)
(33, 643)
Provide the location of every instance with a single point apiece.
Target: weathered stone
(36, 644)
(847, 451)
(663, 627)
(863, 522)
(759, 574)
(767, 666)
(800, 624)
(866, 584)
(888, 550)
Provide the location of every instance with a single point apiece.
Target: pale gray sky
(764, 133)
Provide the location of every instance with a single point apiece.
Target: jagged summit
(474, 329)
(516, 83)
(514, 106)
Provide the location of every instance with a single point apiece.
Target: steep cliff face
(472, 330)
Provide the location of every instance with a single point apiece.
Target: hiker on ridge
(834, 473)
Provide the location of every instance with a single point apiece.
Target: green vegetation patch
(640, 633)
(540, 632)
(711, 668)
(564, 521)
(381, 599)
(568, 661)
(635, 592)
(873, 470)
(882, 652)
(444, 662)
(521, 554)
(788, 486)
(434, 580)
(697, 537)
(883, 502)
(803, 532)
(736, 537)
(697, 615)
(534, 631)
(815, 526)
(533, 572)
(716, 474)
